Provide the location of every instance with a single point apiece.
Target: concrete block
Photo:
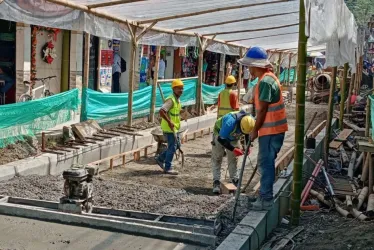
(235, 241)
(127, 144)
(90, 154)
(255, 220)
(7, 172)
(272, 217)
(32, 166)
(109, 150)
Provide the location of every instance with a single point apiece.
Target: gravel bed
(126, 195)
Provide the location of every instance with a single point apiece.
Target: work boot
(217, 187)
(235, 182)
(160, 163)
(261, 205)
(171, 172)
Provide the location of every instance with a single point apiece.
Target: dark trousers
(115, 82)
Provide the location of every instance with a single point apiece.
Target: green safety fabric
(284, 76)
(108, 107)
(28, 118)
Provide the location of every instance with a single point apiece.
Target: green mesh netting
(28, 118)
(284, 76)
(107, 107)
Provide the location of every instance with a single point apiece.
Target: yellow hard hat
(247, 124)
(230, 80)
(177, 83)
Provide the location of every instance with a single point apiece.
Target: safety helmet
(247, 124)
(230, 80)
(177, 83)
(256, 57)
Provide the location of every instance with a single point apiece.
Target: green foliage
(362, 10)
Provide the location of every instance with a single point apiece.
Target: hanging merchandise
(49, 52)
(182, 51)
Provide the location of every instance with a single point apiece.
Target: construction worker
(228, 99)
(228, 130)
(271, 122)
(170, 125)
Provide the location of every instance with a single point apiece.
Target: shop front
(7, 62)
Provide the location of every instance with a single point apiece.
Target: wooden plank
(335, 144)
(227, 188)
(365, 146)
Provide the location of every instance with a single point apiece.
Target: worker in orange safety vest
(271, 122)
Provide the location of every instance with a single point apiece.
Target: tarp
(272, 24)
(28, 118)
(107, 107)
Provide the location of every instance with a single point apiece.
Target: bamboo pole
(351, 86)
(209, 11)
(240, 78)
(342, 95)
(362, 197)
(233, 21)
(251, 30)
(112, 3)
(330, 113)
(131, 75)
(300, 119)
(86, 67)
(154, 86)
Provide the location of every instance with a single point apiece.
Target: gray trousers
(218, 152)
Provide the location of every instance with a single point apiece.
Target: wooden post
(330, 113)
(240, 78)
(370, 174)
(86, 68)
(131, 75)
(342, 95)
(289, 69)
(279, 64)
(200, 72)
(351, 85)
(154, 86)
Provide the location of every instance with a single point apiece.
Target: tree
(362, 10)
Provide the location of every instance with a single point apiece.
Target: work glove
(237, 152)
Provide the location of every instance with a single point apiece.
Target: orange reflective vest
(276, 119)
(224, 103)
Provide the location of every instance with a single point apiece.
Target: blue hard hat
(255, 57)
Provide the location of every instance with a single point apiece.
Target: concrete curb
(52, 164)
(256, 226)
